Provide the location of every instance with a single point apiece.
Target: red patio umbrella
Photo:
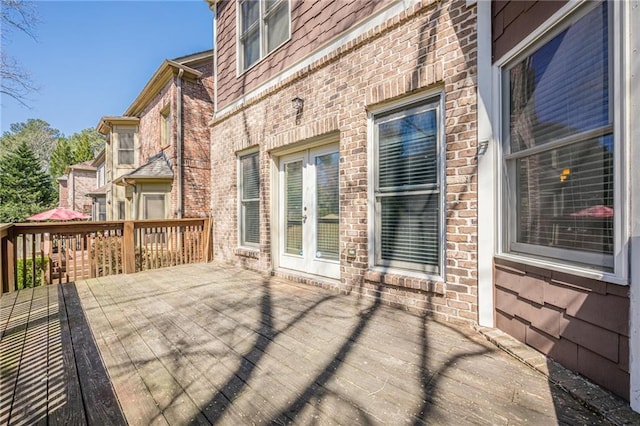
(594, 211)
(59, 213)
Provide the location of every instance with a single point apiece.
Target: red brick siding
(80, 182)
(197, 110)
(432, 46)
(579, 322)
(313, 23)
(63, 194)
(514, 20)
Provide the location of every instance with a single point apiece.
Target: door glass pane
(293, 208)
(328, 206)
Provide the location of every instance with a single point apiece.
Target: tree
(39, 136)
(79, 147)
(18, 15)
(24, 187)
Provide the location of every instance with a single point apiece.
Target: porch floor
(213, 344)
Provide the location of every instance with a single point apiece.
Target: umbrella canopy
(594, 211)
(59, 213)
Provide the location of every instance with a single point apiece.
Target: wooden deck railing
(33, 254)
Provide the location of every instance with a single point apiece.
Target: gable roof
(163, 74)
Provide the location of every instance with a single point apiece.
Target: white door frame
(309, 262)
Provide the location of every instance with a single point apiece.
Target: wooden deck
(210, 344)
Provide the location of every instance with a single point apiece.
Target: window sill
(405, 279)
(247, 252)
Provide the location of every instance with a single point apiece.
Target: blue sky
(92, 58)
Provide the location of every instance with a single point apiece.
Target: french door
(309, 211)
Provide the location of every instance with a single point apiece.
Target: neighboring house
(559, 211)
(99, 194)
(157, 161)
(350, 150)
(73, 187)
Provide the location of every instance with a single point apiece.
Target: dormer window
(263, 26)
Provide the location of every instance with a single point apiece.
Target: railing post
(207, 239)
(8, 262)
(128, 248)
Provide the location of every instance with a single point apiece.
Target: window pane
(154, 206)
(409, 229)
(293, 208)
(251, 48)
(250, 199)
(328, 206)
(125, 148)
(562, 88)
(250, 177)
(566, 197)
(277, 26)
(251, 229)
(407, 153)
(250, 11)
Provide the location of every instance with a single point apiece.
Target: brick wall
(63, 194)
(197, 110)
(430, 47)
(80, 183)
(579, 322)
(314, 23)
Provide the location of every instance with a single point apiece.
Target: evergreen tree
(77, 148)
(25, 188)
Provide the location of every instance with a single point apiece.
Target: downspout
(179, 140)
(213, 8)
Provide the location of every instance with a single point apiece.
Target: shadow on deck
(52, 372)
(212, 344)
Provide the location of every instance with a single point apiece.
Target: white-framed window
(101, 208)
(165, 127)
(408, 192)
(153, 206)
(249, 200)
(263, 25)
(561, 154)
(121, 210)
(126, 147)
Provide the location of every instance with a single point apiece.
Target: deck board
(213, 344)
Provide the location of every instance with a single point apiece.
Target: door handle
(304, 218)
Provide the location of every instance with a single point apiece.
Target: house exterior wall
(197, 111)
(582, 323)
(514, 20)
(429, 48)
(313, 23)
(80, 183)
(575, 318)
(63, 194)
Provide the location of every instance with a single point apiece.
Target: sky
(92, 58)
